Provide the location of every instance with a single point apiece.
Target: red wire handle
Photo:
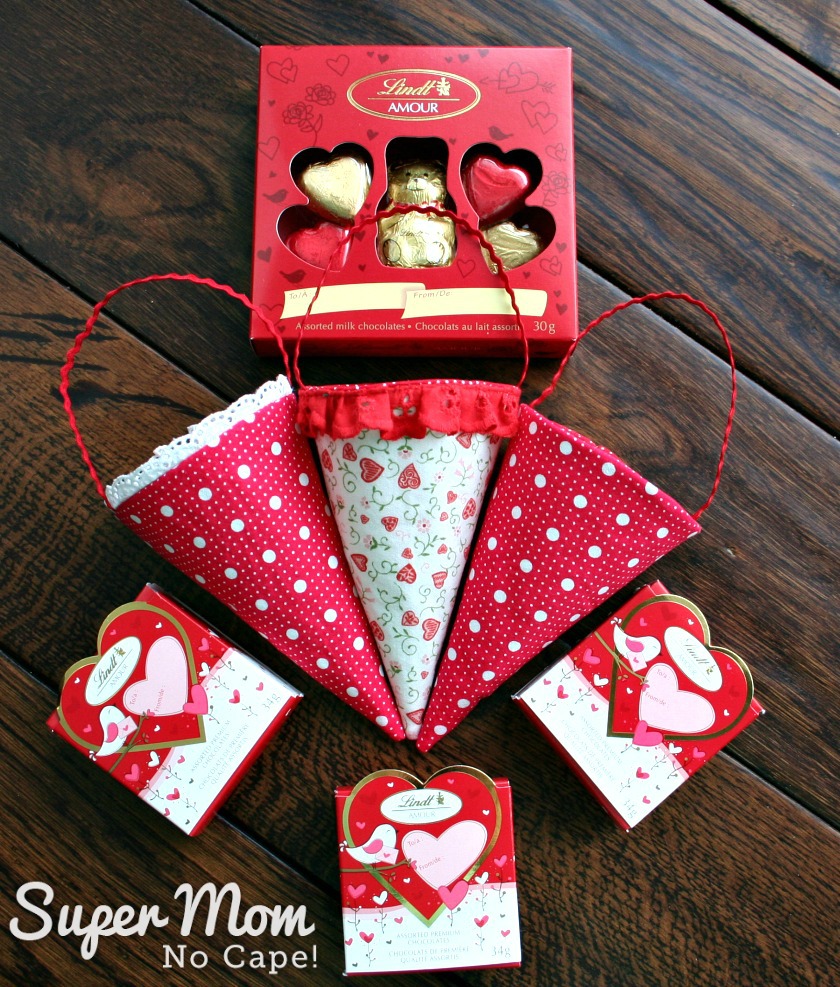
(680, 296)
(385, 214)
(73, 352)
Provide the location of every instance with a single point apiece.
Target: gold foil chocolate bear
(416, 239)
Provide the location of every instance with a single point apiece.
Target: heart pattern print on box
(407, 510)
(568, 525)
(237, 505)
(406, 465)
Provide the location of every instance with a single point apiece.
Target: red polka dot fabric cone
(568, 525)
(237, 505)
(406, 467)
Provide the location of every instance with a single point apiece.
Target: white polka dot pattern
(592, 526)
(247, 518)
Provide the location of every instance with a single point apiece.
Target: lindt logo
(414, 94)
(425, 805)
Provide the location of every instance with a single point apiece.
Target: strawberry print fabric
(406, 465)
(245, 516)
(407, 509)
(568, 525)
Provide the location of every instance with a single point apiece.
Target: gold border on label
(391, 116)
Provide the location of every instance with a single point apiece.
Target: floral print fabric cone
(406, 466)
(407, 511)
(569, 524)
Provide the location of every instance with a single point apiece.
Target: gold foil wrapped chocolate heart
(337, 188)
(513, 244)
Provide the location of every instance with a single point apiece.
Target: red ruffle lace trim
(409, 408)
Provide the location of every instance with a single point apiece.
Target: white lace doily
(204, 433)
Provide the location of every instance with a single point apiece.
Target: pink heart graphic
(452, 898)
(367, 936)
(398, 920)
(174, 795)
(198, 701)
(500, 861)
(642, 737)
(665, 706)
(163, 691)
(134, 774)
(481, 922)
(440, 861)
(642, 774)
(356, 891)
(505, 932)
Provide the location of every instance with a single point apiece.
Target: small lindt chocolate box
(642, 703)
(345, 132)
(170, 709)
(428, 876)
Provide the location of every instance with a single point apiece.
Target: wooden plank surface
(810, 28)
(130, 133)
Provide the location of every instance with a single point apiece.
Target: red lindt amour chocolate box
(344, 132)
(643, 703)
(428, 876)
(170, 709)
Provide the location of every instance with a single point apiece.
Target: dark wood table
(707, 161)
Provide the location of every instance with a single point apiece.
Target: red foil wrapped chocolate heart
(318, 244)
(496, 190)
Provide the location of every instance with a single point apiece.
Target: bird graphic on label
(380, 848)
(116, 727)
(637, 650)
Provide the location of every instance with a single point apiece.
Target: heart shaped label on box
(669, 676)
(422, 842)
(139, 693)
(441, 860)
(165, 688)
